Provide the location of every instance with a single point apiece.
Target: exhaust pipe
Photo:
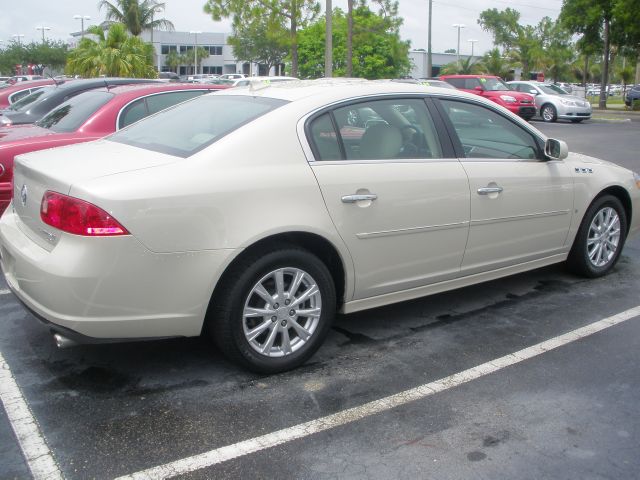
(63, 342)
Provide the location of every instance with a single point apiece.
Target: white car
(283, 204)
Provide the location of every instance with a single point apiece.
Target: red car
(494, 89)
(89, 116)
(11, 93)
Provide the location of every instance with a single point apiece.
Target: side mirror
(556, 149)
(533, 92)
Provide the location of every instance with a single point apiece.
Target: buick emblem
(23, 195)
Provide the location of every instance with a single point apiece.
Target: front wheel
(600, 238)
(549, 113)
(274, 310)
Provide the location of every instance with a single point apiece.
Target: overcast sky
(23, 16)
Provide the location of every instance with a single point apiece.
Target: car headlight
(636, 177)
(508, 98)
(568, 103)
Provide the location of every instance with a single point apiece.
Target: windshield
(29, 99)
(493, 84)
(193, 125)
(556, 90)
(69, 116)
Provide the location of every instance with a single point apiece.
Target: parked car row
(525, 98)
(633, 95)
(255, 214)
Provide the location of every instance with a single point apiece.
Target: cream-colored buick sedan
(255, 214)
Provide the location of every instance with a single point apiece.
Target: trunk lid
(59, 169)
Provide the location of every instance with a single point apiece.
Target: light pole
(459, 26)
(328, 40)
(18, 36)
(472, 42)
(82, 18)
(429, 54)
(43, 28)
(195, 50)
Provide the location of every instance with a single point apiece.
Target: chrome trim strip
(490, 221)
(406, 231)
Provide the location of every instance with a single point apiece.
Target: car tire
(549, 113)
(594, 252)
(254, 317)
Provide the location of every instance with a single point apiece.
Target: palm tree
(466, 66)
(495, 64)
(136, 15)
(116, 55)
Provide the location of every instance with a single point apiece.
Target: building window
(165, 49)
(213, 49)
(212, 70)
(186, 48)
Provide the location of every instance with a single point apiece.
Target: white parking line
(5, 291)
(33, 445)
(223, 454)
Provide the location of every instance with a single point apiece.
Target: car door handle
(359, 198)
(488, 190)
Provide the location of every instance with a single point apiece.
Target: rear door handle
(359, 198)
(488, 190)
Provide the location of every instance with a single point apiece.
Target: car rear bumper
(109, 288)
(526, 112)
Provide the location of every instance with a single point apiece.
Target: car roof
(135, 91)
(468, 76)
(327, 90)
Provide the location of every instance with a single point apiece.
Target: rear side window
(69, 116)
(376, 130)
(192, 126)
(18, 95)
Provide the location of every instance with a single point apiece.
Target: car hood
(16, 118)
(19, 132)
(517, 95)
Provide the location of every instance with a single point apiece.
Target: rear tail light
(76, 216)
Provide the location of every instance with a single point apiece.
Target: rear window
(28, 99)
(70, 115)
(191, 126)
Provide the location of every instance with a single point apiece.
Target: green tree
(378, 51)
(296, 13)
(264, 40)
(52, 55)
(466, 66)
(587, 17)
(494, 63)
(173, 60)
(136, 15)
(521, 42)
(557, 49)
(116, 54)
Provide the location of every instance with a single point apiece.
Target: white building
(418, 60)
(220, 60)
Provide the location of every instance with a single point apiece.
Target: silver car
(553, 103)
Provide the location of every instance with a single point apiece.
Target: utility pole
(328, 41)
(473, 44)
(82, 18)
(459, 26)
(195, 49)
(43, 28)
(429, 54)
(349, 38)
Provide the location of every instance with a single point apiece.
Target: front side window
(376, 130)
(485, 133)
(191, 126)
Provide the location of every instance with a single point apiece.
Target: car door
(521, 203)
(400, 205)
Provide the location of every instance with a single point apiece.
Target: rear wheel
(274, 310)
(600, 238)
(549, 113)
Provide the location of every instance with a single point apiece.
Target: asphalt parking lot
(567, 408)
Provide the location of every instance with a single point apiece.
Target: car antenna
(56, 82)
